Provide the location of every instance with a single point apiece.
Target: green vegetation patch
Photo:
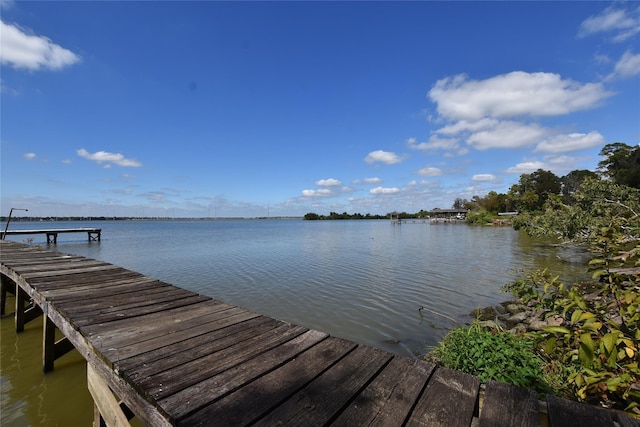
(491, 355)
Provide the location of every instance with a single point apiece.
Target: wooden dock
(169, 356)
(93, 234)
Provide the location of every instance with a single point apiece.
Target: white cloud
(623, 23)
(526, 167)
(463, 126)
(489, 113)
(21, 50)
(430, 171)
(434, 143)
(507, 134)
(372, 180)
(571, 142)
(485, 177)
(323, 192)
(514, 94)
(67, 161)
(627, 66)
(383, 157)
(30, 156)
(331, 182)
(384, 191)
(108, 158)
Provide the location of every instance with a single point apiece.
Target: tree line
(620, 165)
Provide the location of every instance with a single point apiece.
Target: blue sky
(281, 108)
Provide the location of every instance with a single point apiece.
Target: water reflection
(31, 398)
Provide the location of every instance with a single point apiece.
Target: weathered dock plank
(566, 413)
(87, 318)
(152, 356)
(322, 399)
(506, 406)
(123, 332)
(449, 400)
(172, 379)
(388, 399)
(179, 358)
(271, 387)
(116, 287)
(189, 400)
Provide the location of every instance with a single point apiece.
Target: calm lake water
(361, 280)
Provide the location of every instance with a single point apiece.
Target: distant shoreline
(131, 218)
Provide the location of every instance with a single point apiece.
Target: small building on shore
(450, 214)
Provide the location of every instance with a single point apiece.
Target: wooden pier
(169, 356)
(93, 234)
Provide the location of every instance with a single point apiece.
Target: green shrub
(491, 355)
(480, 217)
(598, 343)
(597, 346)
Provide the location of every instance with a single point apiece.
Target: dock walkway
(93, 234)
(174, 357)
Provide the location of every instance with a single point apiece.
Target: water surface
(361, 280)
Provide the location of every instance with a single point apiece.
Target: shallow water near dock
(360, 280)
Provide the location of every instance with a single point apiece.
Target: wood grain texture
(565, 413)
(449, 400)
(506, 405)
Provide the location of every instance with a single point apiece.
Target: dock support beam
(24, 315)
(93, 236)
(107, 410)
(52, 349)
(7, 286)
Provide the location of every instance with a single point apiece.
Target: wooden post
(21, 298)
(48, 344)
(107, 409)
(22, 315)
(52, 349)
(6, 286)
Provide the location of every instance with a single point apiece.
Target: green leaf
(556, 329)
(592, 326)
(550, 345)
(596, 274)
(597, 261)
(609, 341)
(576, 316)
(585, 353)
(613, 383)
(586, 316)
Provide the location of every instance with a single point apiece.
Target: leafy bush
(595, 351)
(597, 345)
(481, 217)
(491, 355)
